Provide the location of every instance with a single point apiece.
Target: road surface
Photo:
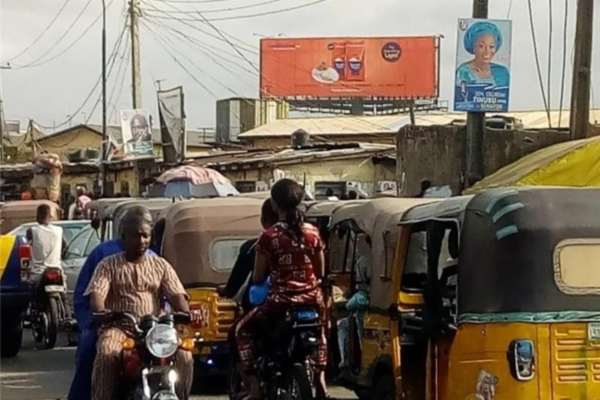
(46, 374)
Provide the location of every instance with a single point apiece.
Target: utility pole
(476, 121)
(104, 134)
(136, 74)
(580, 95)
(2, 121)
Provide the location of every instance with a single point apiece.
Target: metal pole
(104, 133)
(476, 122)
(580, 97)
(136, 77)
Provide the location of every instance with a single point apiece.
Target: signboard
(399, 67)
(172, 124)
(483, 65)
(136, 133)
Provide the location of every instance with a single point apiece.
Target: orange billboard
(400, 67)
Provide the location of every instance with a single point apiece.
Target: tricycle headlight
(162, 341)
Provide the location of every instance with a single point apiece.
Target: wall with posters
(350, 67)
(483, 65)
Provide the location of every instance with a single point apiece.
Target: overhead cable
(537, 61)
(564, 63)
(26, 49)
(262, 14)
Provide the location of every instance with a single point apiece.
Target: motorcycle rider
(291, 254)
(47, 247)
(133, 282)
(81, 387)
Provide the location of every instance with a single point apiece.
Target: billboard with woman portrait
(482, 82)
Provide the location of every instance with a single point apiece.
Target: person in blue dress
(81, 388)
(483, 40)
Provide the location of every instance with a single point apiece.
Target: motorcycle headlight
(162, 341)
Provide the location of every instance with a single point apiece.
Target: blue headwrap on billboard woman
(483, 40)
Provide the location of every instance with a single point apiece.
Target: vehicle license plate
(594, 331)
(54, 288)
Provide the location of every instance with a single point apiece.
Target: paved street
(46, 375)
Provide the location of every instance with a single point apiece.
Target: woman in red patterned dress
(291, 254)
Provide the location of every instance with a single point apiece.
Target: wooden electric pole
(476, 121)
(582, 74)
(136, 73)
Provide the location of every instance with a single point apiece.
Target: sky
(53, 88)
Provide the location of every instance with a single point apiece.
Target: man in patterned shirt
(133, 282)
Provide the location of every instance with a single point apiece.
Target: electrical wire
(43, 32)
(89, 96)
(69, 47)
(537, 60)
(61, 37)
(564, 63)
(193, 1)
(120, 85)
(509, 9)
(237, 8)
(549, 76)
(168, 51)
(212, 56)
(263, 14)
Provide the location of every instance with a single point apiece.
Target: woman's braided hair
(288, 195)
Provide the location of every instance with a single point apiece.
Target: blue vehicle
(15, 292)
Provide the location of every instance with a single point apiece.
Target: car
(70, 228)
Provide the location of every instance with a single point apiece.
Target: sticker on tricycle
(594, 331)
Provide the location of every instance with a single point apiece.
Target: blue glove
(259, 293)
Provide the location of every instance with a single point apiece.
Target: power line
(263, 14)
(193, 1)
(61, 37)
(43, 32)
(237, 8)
(564, 63)
(90, 94)
(69, 47)
(537, 61)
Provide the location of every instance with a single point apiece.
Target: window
(224, 253)
(415, 267)
(576, 265)
(78, 246)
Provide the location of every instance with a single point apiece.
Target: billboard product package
(398, 67)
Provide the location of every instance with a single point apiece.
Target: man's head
(139, 127)
(136, 231)
(353, 195)
(329, 192)
(44, 214)
(425, 185)
(81, 191)
(268, 215)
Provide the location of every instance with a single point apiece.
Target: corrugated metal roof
(195, 138)
(355, 125)
(279, 156)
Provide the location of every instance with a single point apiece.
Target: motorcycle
(148, 371)
(48, 313)
(283, 368)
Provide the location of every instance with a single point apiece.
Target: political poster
(172, 124)
(136, 134)
(482, 79)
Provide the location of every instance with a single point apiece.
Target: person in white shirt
(47, 246)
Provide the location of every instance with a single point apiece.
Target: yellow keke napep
(201, 240)
(16, 213)
(499, 297)
(370, 360)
